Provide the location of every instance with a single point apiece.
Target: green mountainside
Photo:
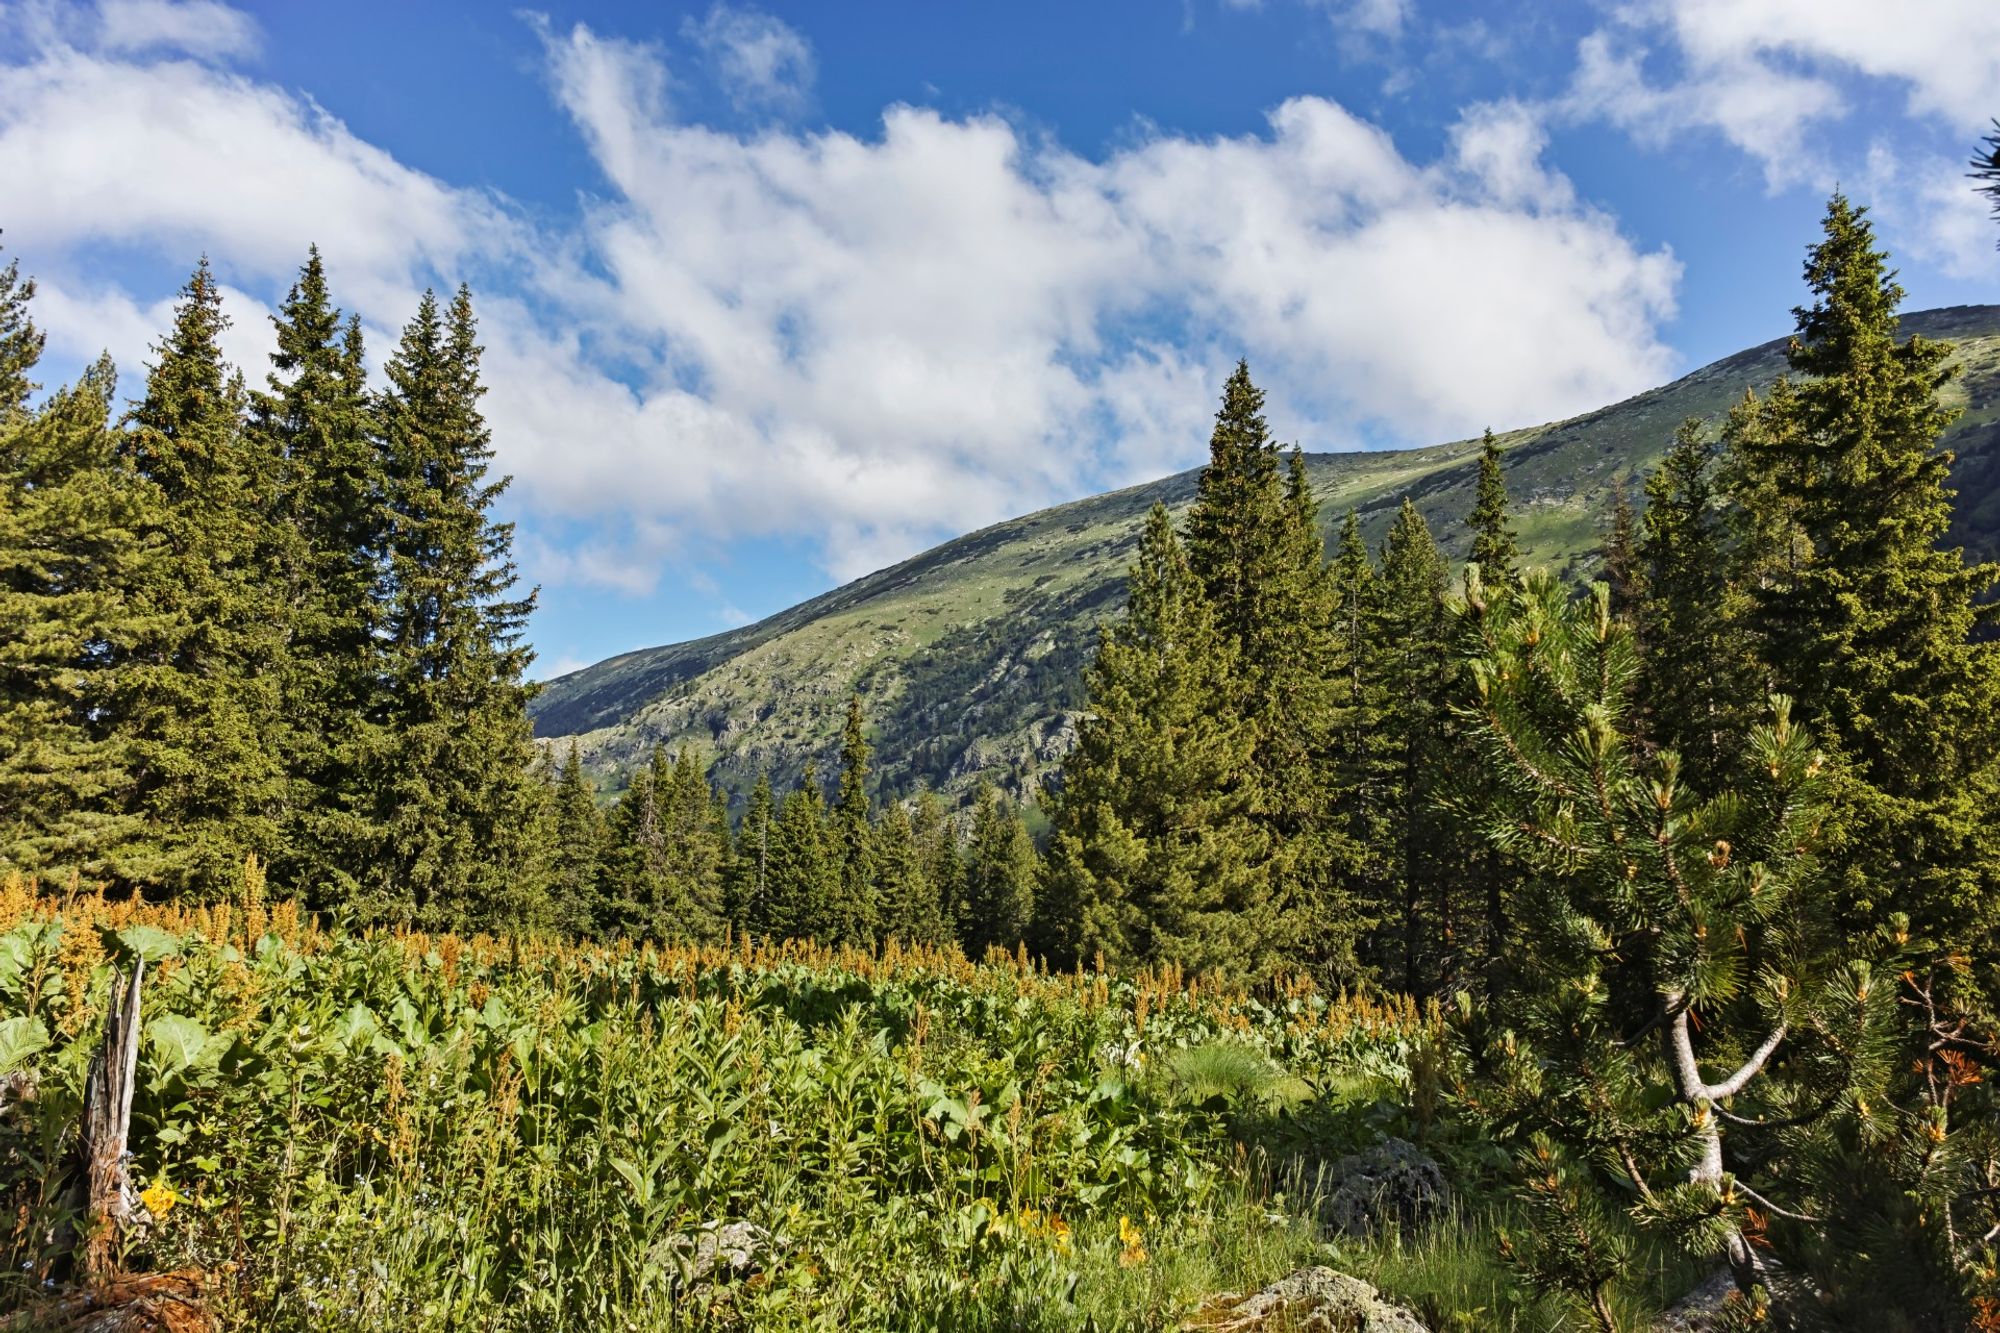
(969, 657)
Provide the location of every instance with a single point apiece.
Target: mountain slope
(969, 657)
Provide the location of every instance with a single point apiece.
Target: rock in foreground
(1393, 1184)
(1312, 1300)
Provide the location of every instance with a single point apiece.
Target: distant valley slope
(969, 657)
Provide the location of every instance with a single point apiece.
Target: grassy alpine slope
(349, 1131)
(969, 656)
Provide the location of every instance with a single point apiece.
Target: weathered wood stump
(106, 1300)
(111, 1207)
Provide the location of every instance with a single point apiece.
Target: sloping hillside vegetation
(969, 657)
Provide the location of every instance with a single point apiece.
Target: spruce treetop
(187, 416)
(20, 341)
(1494, 548)
(853, 797)
(1986, 169)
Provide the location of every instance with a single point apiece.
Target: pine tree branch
(1638, 1177)
(1687, 1069)
(1775, 1210)
(1732, 1085)
(1787, 1122)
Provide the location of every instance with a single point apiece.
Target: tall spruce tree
(910, 909)
(1865, 620)
(70, 551)
(938, 850)
(315, 425)
(1237, 530)
(200, 699)
(1256, 549)
(576, 861)
(749, 903)
(448, 790)
(1694, 664)
(635, 854)
(1155, 855)
(697, 849)
(1422, 915)
(1496, 555)
(804, 871)
(999, 877)
(853, 910)
(1494, 547)
(1623, 572)
(1366, 755)
(664, 873)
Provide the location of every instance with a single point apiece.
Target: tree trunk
(1745, 1264)
(109, 1203)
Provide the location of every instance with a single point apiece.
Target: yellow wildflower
(1134, 1241)
(159, 1198)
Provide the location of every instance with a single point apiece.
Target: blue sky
(777, 295)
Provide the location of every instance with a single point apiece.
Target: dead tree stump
(110, 1205)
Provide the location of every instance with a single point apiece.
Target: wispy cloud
(1766, 77)
(763, 63)
(205, 28)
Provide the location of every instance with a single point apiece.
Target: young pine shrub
(1674, 1004)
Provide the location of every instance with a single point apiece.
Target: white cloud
(1765, 76)
(196, 27)
(181, 157)
(560, 665)
(1762, 110)
(1946, 53)
(763, 62)
(870, 341)
(1380, 18)
(1937, 215)
(1502, 145)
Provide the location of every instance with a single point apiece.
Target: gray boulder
(1393, 1184)
(1312, 1300)
(1701, 1310)
(1714, 1307)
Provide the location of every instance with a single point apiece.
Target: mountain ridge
(969, 655)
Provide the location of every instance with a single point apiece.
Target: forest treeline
(279, 627)
(275, 632)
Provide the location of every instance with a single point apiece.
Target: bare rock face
(1312, 1300)
(1393, 1184)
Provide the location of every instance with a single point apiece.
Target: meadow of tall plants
(349, 1129)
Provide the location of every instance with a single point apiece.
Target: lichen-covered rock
(1393, 1184)
(722, 1252)
(1715, 1306)
(1312, 1300)
(1703, 1310)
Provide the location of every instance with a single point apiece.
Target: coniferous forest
(1649, 924)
